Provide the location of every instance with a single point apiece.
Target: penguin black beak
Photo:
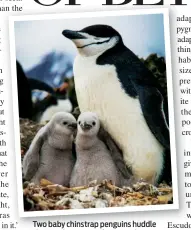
(72, 126)
(73, 34)
(86, 126)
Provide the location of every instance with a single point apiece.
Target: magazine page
(95, 114)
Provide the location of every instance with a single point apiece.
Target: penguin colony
(43, 110)
(135, 118)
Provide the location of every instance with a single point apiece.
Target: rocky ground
(48, 196)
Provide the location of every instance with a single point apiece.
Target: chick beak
(86, 127)
(72, 126)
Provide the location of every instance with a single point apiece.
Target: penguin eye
(65, 123)
(93, 123)
(79, 122)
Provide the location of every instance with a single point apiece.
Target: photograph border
(12, 20)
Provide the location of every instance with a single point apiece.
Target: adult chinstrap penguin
(111, 81)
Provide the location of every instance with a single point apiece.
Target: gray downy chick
(115, 151)
(94, 161)
(50, 153)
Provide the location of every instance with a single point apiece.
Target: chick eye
(93, 123)
(65, 123)
(79, 122)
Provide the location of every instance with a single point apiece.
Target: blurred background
(42, 49)
(45, 58)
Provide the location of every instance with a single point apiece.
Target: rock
(118, 201)
(106, 196)
(63, 201)
(75, 204)
(70, 195)
(72, 204)
(147, 189)
(87, 195)
(99, 203)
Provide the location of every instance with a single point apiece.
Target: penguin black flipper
(116, 153)
(152, 102)
(139, 82)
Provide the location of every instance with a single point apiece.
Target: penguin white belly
(64, 105)
(99, 90)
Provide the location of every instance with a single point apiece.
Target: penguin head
(88, 124)
(94, 40)
(63, 123)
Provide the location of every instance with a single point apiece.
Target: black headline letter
(72, 3)
(140, 2)
(110, 2)
(57, 1)
(178, 2)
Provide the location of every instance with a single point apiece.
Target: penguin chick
(94, 161)
(113, 148)
(50, 153)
